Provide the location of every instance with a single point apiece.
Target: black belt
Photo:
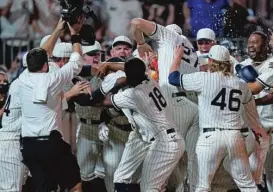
(54, 135)
(183, 94)
(90, 121)
(126, 127)
(168, 131)
(179, 94)
(40, 138)
(243, 130)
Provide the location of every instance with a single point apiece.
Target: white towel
(40, 91)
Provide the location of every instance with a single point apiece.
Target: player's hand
(103, 132)
(179, 52)
(60, 25)
(101, 71)
(80, 87)
(143, 50)
(88, 88)
(260, 133)
(75, 29)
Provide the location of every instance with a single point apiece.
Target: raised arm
(109, 66)
(50, 43)
(140, 27)
(75, 64)
(174, 74)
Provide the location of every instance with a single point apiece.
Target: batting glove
(103, 132)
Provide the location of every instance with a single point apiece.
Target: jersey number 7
(158, 98)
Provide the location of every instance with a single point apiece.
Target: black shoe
(122, 187)
(96, 184)
(261, 188)
(29, 185)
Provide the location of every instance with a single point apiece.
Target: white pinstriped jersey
(11, 120)
(149, 108)
(110, 80)
(220, 98)
(107, 85)
(167, 40)
(265, 70)
(89, 113)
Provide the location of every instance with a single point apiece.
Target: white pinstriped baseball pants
(12, 171)
(222, 180)
(212, 147)
(89, 153)
(159, 160)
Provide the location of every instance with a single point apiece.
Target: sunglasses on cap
(204, 42)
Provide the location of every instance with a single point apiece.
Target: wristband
(141, 43)
(75, 39)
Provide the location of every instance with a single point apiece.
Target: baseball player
(205, 40)
(183, 110)
(257, 50)
(113, 149)
(220, 98)
(156, 124)
(118, 133)
(114, 139)
(269, 157)
(13, 178)
(121, 47)
(222, 180)
(12, 170)
(89, 146)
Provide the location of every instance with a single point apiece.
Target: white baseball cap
(62, 50)
(93, 48)
(44, 39)
(24, 60)
(123, 40)
(206, 33)
(219, 53)
(175, 28)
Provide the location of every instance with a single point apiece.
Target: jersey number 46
(234, 103)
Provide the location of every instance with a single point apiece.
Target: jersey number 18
(158, 98)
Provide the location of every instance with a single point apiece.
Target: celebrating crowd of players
(203, 124)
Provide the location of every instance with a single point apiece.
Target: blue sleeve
(174, 78)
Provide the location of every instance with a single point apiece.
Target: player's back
(220, 101)
(11, 120)
(153, 112)
(167, 40)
